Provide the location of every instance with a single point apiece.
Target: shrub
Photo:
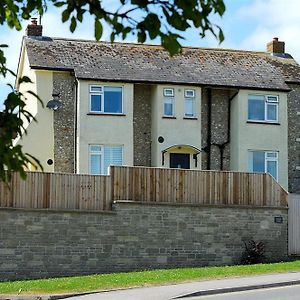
(254, 253)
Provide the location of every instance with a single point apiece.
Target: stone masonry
(134, 236)
(64, 123)
(142, 125)
(293, 135)
(219, 128)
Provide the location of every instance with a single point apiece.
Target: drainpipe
(209, 118)
(75, 125)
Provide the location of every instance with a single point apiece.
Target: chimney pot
(275, 46)
(33, 21)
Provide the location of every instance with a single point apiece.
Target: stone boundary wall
(134, 236)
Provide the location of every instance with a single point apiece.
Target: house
(132, 104)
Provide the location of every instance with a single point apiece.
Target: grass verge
(143, 278)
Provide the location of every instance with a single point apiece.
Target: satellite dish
(54, 104)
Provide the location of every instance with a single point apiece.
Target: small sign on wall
(278, 219)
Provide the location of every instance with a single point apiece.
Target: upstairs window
(189, 103)
(263, 108)
(169, 102)
(102, 156)
(264, 161)
(106, 99)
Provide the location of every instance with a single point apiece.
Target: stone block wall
(293, 135)
(142, 125)
(134, 236)
(64, 123)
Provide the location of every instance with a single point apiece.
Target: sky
(247, 24)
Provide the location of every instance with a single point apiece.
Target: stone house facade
(132, 104)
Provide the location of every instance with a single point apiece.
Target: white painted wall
(103, 129)
(248, 136)
(39, 140)
(178, 131)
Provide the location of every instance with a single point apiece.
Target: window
(189, 103)
(106, 99)
(169, 102)
(101, 157)
(263, 108)
(264, 161)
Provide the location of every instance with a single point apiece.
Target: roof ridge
(146, 45)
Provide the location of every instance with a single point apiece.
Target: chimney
(34, 29)
(275, 46)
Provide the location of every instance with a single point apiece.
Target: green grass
(143, 278)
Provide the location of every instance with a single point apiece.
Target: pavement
(180, 291)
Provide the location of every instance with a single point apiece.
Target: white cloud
(274, 18)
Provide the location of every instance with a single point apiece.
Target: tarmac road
(273, 286)
(280, 293)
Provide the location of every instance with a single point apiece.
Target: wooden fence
(199, 187)
(87, 192)
(57, 191)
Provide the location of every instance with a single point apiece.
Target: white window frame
(267, 159)
(96, 153)
(268, 102)
(101, 93)
(101, 153)
(169, 92)
(190, 97)
(169, 95)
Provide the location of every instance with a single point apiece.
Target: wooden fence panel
(87, 192)
(57, 191)
(191, 186)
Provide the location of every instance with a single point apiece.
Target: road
(280, 293)
(172, 291)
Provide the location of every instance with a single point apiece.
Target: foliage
(11, 124)
(254, 253)
(162, 19)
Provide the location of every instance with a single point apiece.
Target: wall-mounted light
(54, 103)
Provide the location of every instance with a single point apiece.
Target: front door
(179, 160)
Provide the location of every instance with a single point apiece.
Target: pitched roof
(149, 63)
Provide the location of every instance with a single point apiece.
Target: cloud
(247, 25)
(274, 19)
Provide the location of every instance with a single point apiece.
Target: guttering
(198, 84)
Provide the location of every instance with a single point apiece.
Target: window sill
(105, 114)
(190, 118)
(168, 117)
(263, 122)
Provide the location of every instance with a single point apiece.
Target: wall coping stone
(52, 210)
(197, 205)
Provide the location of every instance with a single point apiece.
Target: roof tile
(150, 63)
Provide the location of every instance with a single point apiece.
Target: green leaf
(59, 4)
(141, 36)
(25, 79)
(170, 43)
(65, 15)
(73, 24)
(221, 35)
(98, 29)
